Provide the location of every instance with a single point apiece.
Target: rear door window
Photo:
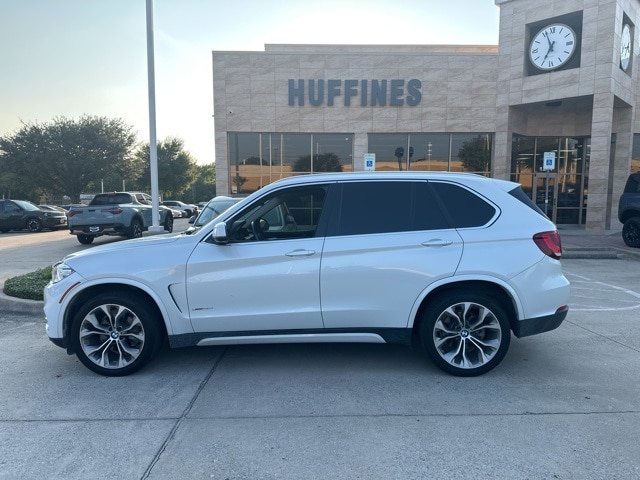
(384, 207)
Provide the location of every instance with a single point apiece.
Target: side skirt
(334, 335)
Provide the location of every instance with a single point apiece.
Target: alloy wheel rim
(467, 335)
(112, 336)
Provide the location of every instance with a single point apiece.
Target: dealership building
(552, 106)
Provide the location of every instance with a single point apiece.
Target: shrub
(29, 286)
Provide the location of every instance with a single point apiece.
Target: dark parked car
(23, 215)
(629, 211)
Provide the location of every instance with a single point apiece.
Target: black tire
(115, 334)
(168, 223)
(135, 230)
(85, 239)
(631, 232)
(456, 342)
(34, 225)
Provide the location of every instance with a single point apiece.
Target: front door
(268, 275)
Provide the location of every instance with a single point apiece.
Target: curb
(594, 252)
(20, 306)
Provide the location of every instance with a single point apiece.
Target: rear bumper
(533, 326)
(97, 230)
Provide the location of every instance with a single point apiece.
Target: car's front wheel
(465, 334)
(631, 232)
(115, 334)
(34, 225)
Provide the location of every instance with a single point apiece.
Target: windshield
(213, 209)
(26, 205)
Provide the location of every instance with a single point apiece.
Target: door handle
(300, 253)
(437, 242)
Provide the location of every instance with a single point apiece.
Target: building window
(432, 152)
(257, 159)
(635, 153)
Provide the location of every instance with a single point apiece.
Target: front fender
(174, 320)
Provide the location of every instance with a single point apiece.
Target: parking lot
(562, 405)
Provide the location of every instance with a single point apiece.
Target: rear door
(13, 216)
(387, 242)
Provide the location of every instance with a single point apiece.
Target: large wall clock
(552, 47)
(625, 47)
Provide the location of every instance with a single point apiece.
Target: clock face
(552, 46)
(625, 47)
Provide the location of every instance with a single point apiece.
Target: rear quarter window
(519, 194)
(465, 208)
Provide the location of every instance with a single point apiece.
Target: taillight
(114, 210)
(549, 243)
(71, 213)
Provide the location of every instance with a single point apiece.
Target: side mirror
(220, 233)
(192, 219)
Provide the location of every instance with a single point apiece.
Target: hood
(127, 245)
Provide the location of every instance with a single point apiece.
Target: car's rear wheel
(85, 239)
(135, 230)
(168, 223)
(34, 225)
(631, 232)
(465, 334)
(115, 334)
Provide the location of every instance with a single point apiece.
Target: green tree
(65, 156)
(204, 187)
(475, 155)
(176, 168)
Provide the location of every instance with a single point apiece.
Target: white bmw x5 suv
(452, 262)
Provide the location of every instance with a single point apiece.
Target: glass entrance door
(566, 201)
(545, 193)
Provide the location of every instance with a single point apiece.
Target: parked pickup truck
(115, 213)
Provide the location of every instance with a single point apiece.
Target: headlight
(60, 271)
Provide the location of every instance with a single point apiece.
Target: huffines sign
(347, 92)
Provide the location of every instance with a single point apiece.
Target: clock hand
(548, 51)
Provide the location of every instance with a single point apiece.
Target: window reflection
(432, 152)
(471, 153)
(257, 159)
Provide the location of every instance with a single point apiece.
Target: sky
(69, 58)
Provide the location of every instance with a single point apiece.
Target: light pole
(153, 144)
